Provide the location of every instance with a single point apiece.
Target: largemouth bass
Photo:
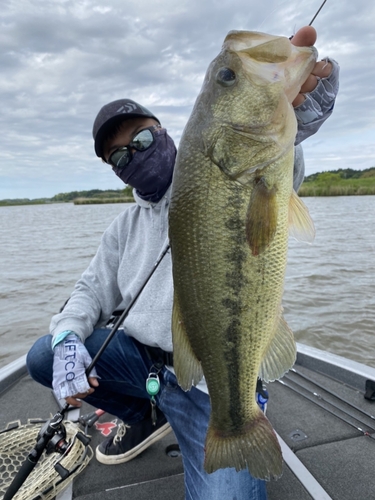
(231, 209)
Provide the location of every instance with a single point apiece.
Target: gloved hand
(315, 102)
(71, 359)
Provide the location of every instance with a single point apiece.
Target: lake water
(329, 298)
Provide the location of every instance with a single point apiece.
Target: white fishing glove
(318, 104)
(70, 361)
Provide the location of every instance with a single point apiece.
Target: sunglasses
(142, 141)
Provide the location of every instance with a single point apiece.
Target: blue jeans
(123, 369)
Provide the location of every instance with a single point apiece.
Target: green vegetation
(78, 198)
(342, 182)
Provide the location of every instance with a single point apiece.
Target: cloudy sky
(61, 60)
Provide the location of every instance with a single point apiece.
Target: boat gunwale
(12, 373)
(342, 369)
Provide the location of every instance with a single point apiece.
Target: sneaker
(130, 441)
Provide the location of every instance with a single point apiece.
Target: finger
(93, 381)
(322, 69)
(305, 37)
(298, 100)
(309, 84)
(72, 401)
(75, 400)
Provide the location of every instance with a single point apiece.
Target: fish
(231, 212)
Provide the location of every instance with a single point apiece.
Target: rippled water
(329, 295)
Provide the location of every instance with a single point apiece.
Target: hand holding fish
(315, 101)
(306, 37)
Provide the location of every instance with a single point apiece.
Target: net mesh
(43, 482)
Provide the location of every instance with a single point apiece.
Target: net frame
(44, 482)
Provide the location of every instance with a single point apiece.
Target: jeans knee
(39, 361)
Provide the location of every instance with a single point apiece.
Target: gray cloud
(62, 60)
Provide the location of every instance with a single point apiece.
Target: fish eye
(226, 77)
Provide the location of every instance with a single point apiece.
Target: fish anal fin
(187, 367)
(254, 447)
(261, 219)
(301, 225)
(281, 353)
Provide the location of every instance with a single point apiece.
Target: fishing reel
(58, 442)
(54, 436)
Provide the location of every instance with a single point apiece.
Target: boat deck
(324, 457)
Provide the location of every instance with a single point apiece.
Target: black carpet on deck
(339, 456)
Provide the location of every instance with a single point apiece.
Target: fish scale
(231, 206)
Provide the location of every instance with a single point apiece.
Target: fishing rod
(320, 8)
(314, 400)
(332, 394)
(52, 435)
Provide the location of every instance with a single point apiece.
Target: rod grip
(21, 476)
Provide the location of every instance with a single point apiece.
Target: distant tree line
(341, 173)
(92, 193)
(96, 195)
(342, 182)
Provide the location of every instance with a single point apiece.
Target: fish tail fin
(256, 448)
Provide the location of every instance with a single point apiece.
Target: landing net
(44, 483)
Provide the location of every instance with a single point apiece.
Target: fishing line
(278, 8)
(272, 12)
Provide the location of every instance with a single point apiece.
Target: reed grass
(335, 186)
(96, 201)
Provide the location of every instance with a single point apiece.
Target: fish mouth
(269, 59)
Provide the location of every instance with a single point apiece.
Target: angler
(134, 143)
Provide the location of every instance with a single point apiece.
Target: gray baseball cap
(113, 113)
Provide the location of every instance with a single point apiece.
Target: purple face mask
(150, 171)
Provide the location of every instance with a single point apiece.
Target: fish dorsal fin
(261, 219)
(301, 225)
(274, 51)
(187, 367)
(281, 354)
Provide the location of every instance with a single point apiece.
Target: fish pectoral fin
(301, 225)
(187, 367)
(281, 354)
(273, 51)
(261, 219)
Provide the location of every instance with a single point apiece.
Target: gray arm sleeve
(299, 168)
(311, 115)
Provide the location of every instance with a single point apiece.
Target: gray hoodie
(127, 253)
